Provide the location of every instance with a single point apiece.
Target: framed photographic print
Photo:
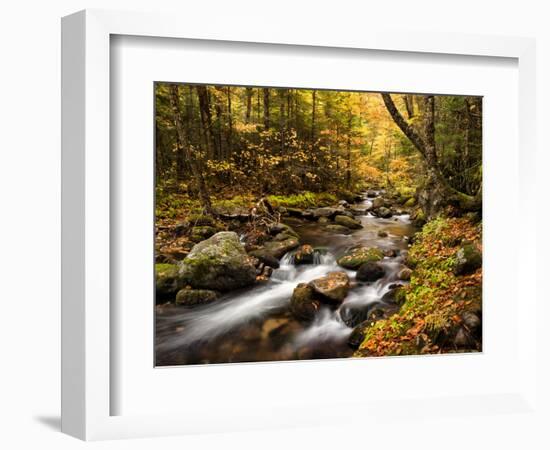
(247, 246)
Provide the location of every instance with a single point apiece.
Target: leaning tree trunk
(436, 193)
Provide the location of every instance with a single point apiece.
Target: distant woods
(224, 140)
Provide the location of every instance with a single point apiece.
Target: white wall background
(30, 198)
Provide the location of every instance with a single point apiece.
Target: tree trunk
(348, 151)
(206, 121)
(184, 150)
(249, 93)
(409, 104)
(266, 108)
(313, 112)
(437, 192)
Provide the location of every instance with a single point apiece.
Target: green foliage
(303, 200)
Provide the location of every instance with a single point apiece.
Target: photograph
(297, 224)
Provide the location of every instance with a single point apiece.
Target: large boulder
(370, 271)
(332, 288)
(348, 222)
(356, 257)
(218, 263)
(468, 260)
(166, 281)
(303, 303)
(195, 297)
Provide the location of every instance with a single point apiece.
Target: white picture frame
(87, 386)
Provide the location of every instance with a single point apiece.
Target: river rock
(239, 213)
(278, 228)
(166, 281)
(354, 258)
(323, 220)
(348, 222)
(472, 322)
(384, 212)
(295, 212)
(381, 311)
(218, 263)
(352, 314)
(463, 339)
(468, 260)
(358, 211)
(333, 287)
(410, 202)
(194, 297)
(378, 202)
(327, 212)
(357, 335)
(336, 228)
(266, 258)
(277, 249)
(370, 271)
(304, 255)
(382, 233)
(404, 274)
(303, 304)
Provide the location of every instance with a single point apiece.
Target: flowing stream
(255, 324)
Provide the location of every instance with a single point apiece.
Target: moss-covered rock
(332, 288)
(218, 263)
(404, 274)
(336, 228)
(166, 281)
(278, 249)
(201, 220)
(200, 233)
(410, 202)
(384, 213)
(418, 217)
(194, 297)
(348, 222)
(354, 258)
(467, 260)
(327, 212)
(303, 303)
